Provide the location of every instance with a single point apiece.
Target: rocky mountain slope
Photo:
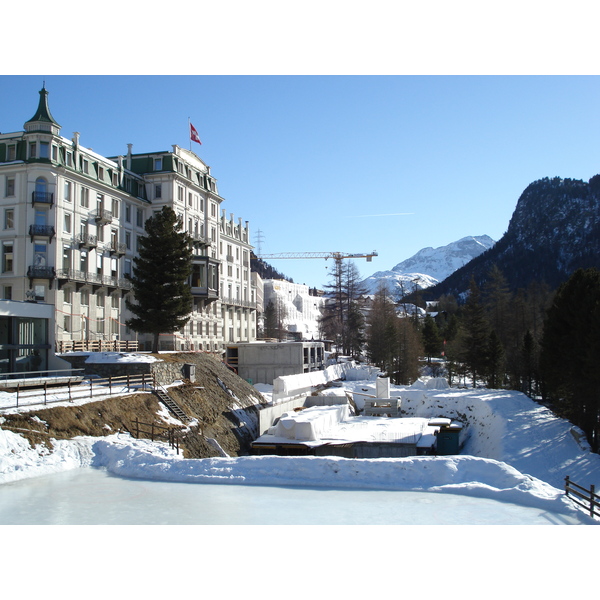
(429, 266)
(554, 230)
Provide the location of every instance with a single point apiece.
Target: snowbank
(19, 461)
(289, 386)
(120, 357)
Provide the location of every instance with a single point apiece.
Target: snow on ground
(514, 450)
(113, 357)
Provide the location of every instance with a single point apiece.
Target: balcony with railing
(230, 300)
(102, 217)
(117, 248)
(41, 231)
(200, 241)
(41, 272)
(86, 240)
(42, 198)
(94, 279)
(205, 292)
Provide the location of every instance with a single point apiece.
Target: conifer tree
(339, 316)
(529, 364)
(495, 361)
(381, 330)
(163, 298)
(275, 314)
(570, 350)
(432, 339)
(407, 352)
(476, 331)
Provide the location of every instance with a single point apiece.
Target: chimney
(76, 138)
(129, 147)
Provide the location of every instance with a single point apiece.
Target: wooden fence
(173, 435)
(589, 497)
(96, 346)
(47, 393)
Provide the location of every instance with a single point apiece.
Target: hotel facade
(71, 220)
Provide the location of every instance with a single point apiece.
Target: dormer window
(69, 159)
(158, 164)
(44, 150)
(11, 152)
(32, 150)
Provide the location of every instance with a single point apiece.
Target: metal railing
(42, 197)
(96, 346)
(48, 392)
(37, 272)
(87, 240)
(42, 230)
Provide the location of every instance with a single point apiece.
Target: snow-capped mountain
(554, 230)
(429, 266)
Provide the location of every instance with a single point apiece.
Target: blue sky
(342, 163)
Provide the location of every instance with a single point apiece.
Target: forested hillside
(265, 270)
(554, 230)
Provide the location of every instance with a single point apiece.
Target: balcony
(39, 272)
(42, 231)
(117, 248)
(42, 198)
(229, 300)
(95, 280)
(200, 241)
(87, 240)
(205, 293)
(103, 217)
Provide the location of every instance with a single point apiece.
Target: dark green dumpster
(448, 439)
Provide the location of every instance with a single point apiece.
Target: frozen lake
(95, 497)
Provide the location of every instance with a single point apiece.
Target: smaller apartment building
(70, 220)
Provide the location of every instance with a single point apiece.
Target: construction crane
(337, 256)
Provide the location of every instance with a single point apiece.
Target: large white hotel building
(70, 221)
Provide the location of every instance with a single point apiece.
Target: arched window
(41, 185)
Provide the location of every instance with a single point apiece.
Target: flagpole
(189, 130)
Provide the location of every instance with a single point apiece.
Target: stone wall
(164, 373)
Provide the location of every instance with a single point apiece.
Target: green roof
(43, 112)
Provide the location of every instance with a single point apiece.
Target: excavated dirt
(209, 399)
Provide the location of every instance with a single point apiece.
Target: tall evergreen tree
(529, 365)
(432, 339)
(381, 330)
(570, 350)
(476, 331)
(495, 361)
(163, 298)
(275, 314)
(407, 352)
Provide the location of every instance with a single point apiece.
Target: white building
(302, 307)
(70, 224)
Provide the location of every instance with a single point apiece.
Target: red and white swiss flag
(194, 135)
